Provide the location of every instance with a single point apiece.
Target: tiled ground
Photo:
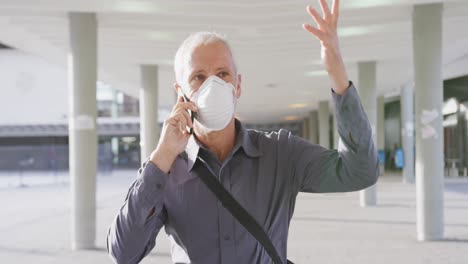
(332, 228)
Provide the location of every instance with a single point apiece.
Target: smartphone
(193, 115)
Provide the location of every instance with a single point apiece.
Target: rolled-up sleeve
(132, 234)
(354, 166)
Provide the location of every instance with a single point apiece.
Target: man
(263, 171)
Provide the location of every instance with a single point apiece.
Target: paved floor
(332, 228)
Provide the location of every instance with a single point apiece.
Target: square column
(381, 128)
(149, 125)
(427, 51)
(368, 93)
(313, 127)
(83, 141)
(324, 124)
(407, 131)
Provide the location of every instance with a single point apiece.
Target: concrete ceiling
(280, 62)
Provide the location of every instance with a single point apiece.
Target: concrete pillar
(82, 70)
(149, 127)
(461, 135)
(115, 140)
(305, 128)
(407, 131)
(427, 52)
(368, 92)
(313, 127)
(324, 124)
(381, 128)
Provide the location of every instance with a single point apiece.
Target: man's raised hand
(326, 32)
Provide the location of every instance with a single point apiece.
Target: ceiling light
(359, 30)
(160, 35)
(371, 3)
(291, 118)
(315, 73)
(297, 105)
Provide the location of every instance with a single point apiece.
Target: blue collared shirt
(264, 172)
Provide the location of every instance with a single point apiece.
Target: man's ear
(176, 88)
(239, 86)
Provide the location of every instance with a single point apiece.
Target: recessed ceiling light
(368, 3)
(160, 35)
(291, 117)
(352, 31)
(297, 105)
(315, 73)
(314, 62)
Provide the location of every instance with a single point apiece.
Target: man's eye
(223, 74)
(198, 77)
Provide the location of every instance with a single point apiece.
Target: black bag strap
(240, 213)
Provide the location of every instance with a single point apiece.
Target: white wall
(32, 91)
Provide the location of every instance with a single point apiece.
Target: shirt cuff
(152, 183)
(338, 98)
(350, 115)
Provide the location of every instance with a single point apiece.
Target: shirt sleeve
(354, 166)
(132, 234)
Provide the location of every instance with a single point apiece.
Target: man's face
(210, 59)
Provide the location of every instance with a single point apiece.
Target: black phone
(193, 115)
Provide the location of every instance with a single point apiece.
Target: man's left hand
(326, 32)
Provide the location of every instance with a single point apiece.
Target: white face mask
(215, 102)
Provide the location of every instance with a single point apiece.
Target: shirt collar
(242, 140)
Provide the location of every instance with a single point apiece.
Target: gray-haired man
(263, 171)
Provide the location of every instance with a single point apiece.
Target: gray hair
(189, 44)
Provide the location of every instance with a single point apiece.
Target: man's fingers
(180, 115)
(192, 107)
(180, 122)
(316, 32)
(317, 18)
(185, 106)
(335, 12)
(325, 10)
(188, 119)
(180, 99)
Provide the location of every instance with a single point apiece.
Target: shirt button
(158, 186)
(227, 237)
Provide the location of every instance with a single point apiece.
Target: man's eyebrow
(197, 71)
(217, 69)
